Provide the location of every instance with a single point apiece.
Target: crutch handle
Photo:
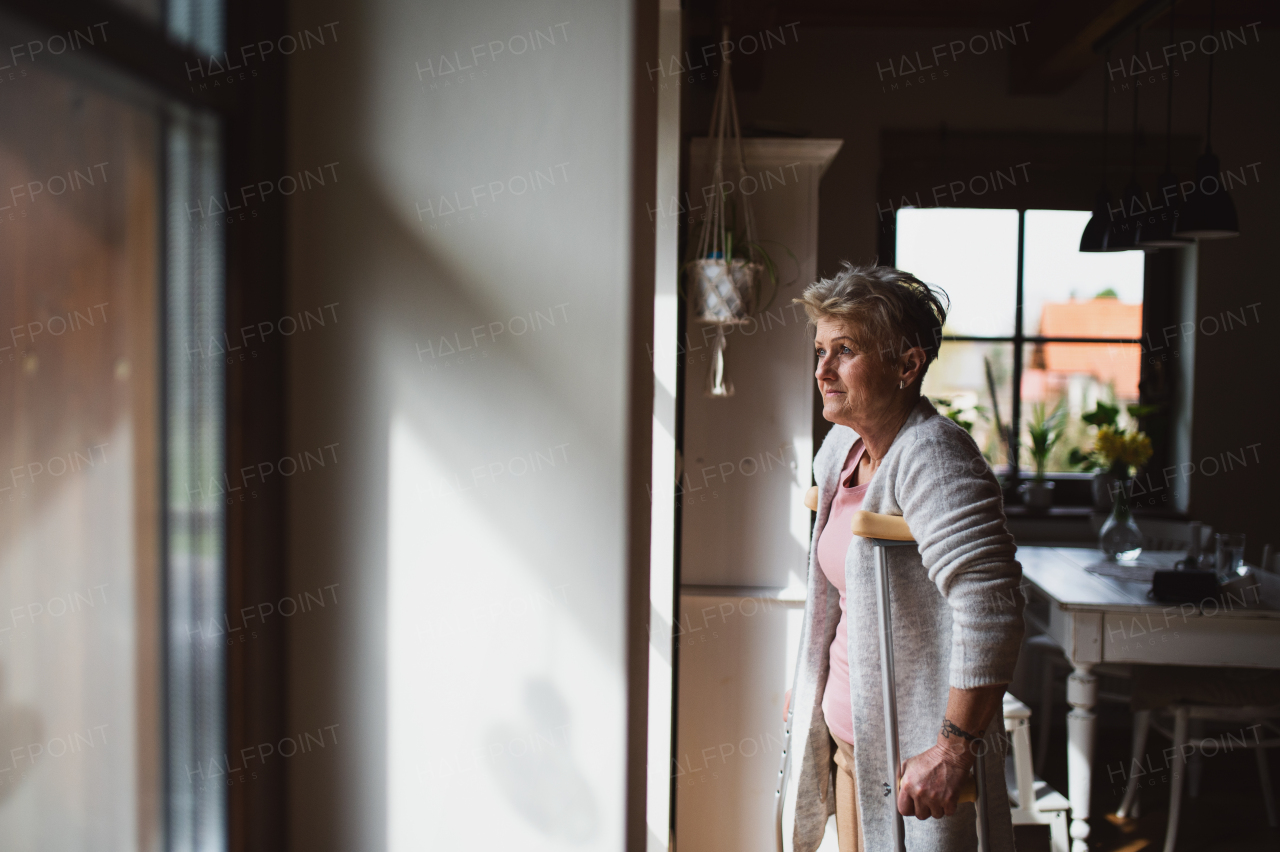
(890, 527)
(868, 524)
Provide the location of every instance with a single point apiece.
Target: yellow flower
(1117, 446)
(1137, 449)
(1109, 443)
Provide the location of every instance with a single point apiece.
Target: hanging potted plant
(1044, 430)
(730, 269)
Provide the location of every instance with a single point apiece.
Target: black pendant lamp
(1155, 230)
(1122, 232)
(1095, 230)
(1209, 213)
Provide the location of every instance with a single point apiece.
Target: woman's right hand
(786, 706)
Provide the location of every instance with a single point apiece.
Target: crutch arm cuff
(873, 525)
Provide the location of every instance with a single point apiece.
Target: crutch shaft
(979, 771)
(889, 692)
(885, 531)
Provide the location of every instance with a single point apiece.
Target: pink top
(833, 545)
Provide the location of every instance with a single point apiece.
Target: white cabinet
(745, 535)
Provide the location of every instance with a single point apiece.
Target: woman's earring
(902, 385)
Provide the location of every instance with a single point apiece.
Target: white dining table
(1104, 619)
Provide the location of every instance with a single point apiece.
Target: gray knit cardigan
(957, 619)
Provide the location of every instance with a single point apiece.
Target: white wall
(477, 520)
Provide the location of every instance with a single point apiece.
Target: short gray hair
(889, 310)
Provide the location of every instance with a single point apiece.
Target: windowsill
(1073, 499)
(1017, 510)
(1062, 512)
(1060, 475)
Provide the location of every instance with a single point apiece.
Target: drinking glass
(1230, 562)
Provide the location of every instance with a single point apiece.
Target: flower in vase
(1136, 450)
(1120, 451)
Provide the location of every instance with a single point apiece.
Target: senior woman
(957, 617)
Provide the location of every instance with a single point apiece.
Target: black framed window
(195, 515)
(121, 432)
(1034, 323)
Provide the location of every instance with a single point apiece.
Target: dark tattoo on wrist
(949, 727)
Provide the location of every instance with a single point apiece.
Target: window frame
(140, 56)
(1019, 339)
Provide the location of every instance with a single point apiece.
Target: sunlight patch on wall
(484, 746)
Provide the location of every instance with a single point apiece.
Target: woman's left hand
(931, 782)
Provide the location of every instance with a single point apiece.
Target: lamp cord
(1137, 46)
(1168, 116)
(1208, 119)
(1106, 111)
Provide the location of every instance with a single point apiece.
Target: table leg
(1082, 695)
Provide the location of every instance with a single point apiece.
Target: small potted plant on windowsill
(1044, 430)
(960, 414)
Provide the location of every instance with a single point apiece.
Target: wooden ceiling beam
(1062, 37)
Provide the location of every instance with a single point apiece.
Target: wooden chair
(1166, 534)
(1034, 802)
(1185, 716)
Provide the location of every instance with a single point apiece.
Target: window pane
(973, 255)
(1078, 375)
(1070, 293)
(198, 767)
(197, 24)
(80, 676)
(959, 376)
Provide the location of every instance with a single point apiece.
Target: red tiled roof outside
(1094, 318)
(1118, 363)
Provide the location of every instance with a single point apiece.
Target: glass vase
(1120, 537)
(1104, 489)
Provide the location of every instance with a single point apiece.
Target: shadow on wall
(479, 515)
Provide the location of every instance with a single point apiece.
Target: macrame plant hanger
(726, 288)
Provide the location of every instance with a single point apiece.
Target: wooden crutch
(885, 531)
